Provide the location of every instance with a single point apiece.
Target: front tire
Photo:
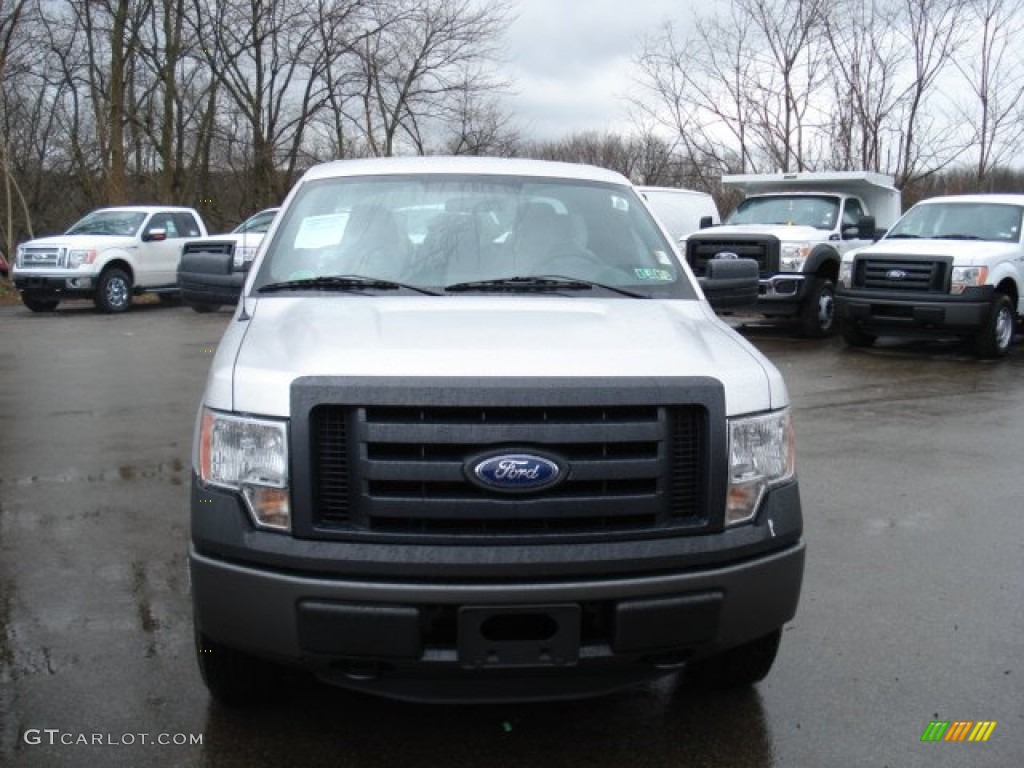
(113, 291)
(994, 339)
(37, 304)
(854, 336)
(738, 667)
(233, 678)
(818, 311)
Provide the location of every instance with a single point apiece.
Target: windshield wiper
(902, 236)
(342, 283)
(957, 236)
(539, 283)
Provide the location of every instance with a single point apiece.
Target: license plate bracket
(507, 636)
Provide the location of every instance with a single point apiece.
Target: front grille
(893, 273)
(210, 246)
(42, 256)
(764, 250)
(402, 469)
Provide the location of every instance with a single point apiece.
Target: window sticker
(646, 273)
(663, 258)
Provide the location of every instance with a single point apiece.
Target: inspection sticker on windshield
(643, 273)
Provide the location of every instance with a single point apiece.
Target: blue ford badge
(514, 472)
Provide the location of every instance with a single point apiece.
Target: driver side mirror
(730, 283)
(154, 235)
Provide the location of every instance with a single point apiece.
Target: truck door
(158, 258)
(853, 211)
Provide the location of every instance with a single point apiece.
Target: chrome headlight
(243, 254)
(846, 274)
(967, 277)
(762, 454)
(77, 258)
(793, 256)
(250, 456)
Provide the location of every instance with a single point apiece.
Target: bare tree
(995, 80)
(417, 70)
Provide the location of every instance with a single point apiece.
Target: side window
(852, 213)
(184, 225)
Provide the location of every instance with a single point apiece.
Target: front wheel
(854, 336)
(818, 311)
(39, 304)
(738, 667)
(996, 335)
(232, 677)
(113, 291)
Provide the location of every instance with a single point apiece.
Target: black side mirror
(705, 222)
(155, 235)
(730, 283)
(866, 228)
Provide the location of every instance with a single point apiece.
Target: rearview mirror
(730, 283)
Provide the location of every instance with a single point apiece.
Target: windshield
(441, 231)
(961, 221)
(257, 224)
(118, 223)
(818, 211)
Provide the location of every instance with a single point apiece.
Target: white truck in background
(109, 256)
(798, 226)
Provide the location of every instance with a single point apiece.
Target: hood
(486, 336)
(966, 253)
(785, 232)
(94, 242)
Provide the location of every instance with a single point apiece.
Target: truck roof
(1004, 199)
(475, 165)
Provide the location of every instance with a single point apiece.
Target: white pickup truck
(797, 226)
(109, 256)
(952, 266)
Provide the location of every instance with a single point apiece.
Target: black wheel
(818, 311)
(232, 677)
(996, 335)
(113, 291)
(39, 303)
(854, 336)
(204, 309)
(738, 667)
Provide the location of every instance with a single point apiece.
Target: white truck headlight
(846, 274)
(762, 454)
(793, 256)
(243, 254)
(250, 456)
(77, 258)
(967, 277)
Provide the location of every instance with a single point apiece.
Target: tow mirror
(730, 283)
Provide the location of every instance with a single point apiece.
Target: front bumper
(54, 283)
(935, 314)
(497, 622)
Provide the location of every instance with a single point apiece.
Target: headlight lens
(250, 456)
(78, 258)
(762, 454)
(794, 255)
(243, 253)
(846, 274)
(967, 277)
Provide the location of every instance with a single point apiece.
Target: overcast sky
(570, 61)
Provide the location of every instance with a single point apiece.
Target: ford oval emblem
(514, 472)
(896, 274)
(726, 255)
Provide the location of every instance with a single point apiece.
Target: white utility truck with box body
(109, 256)
(797, 226)
(475, 432)
(952, 266)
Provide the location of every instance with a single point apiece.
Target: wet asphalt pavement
(911, 460)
